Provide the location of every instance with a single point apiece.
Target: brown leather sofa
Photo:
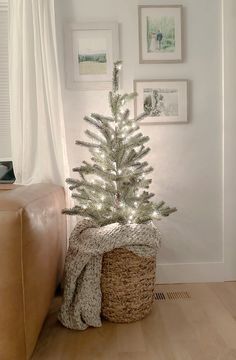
(32, 251)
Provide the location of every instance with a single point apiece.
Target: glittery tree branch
(113, 186)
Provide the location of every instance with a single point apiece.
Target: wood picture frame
(165, 100)
(160, 34)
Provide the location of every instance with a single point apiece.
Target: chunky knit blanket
(81, 304)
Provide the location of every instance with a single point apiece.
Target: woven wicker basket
(127, 285)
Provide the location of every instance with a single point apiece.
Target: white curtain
(37, 123)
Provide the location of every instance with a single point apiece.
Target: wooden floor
(202, 327)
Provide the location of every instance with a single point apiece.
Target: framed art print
(90, 51)
(160, 34)
(7, 175)
(166, 101)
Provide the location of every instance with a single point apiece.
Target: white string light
(119, 66)
(130, 219)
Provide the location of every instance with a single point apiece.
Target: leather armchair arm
(33, 245)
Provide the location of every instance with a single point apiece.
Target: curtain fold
(37, 123)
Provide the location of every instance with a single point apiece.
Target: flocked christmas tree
(113, 187)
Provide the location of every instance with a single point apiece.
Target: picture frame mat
(104, 36)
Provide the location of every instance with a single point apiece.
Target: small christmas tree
(113, 186)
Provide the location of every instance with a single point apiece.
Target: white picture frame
(90, 51)
(160, 34)
(166, 100)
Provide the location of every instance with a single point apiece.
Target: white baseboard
(190, 273)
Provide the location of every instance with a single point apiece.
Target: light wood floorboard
(202, 327)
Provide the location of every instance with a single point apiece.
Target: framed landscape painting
(90, 51)
(160, 34)
(166, 101)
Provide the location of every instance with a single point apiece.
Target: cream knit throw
(81, 306)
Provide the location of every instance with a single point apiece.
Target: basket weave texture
(127, 285)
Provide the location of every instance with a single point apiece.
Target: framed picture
(7, 175)
(160, 34)
(90, 51)
(165, 100)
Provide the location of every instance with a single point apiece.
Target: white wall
(187, 158)
(229, 17)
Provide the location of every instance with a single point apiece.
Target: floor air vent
(172, 295)
(160, 296)
(176, 295)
